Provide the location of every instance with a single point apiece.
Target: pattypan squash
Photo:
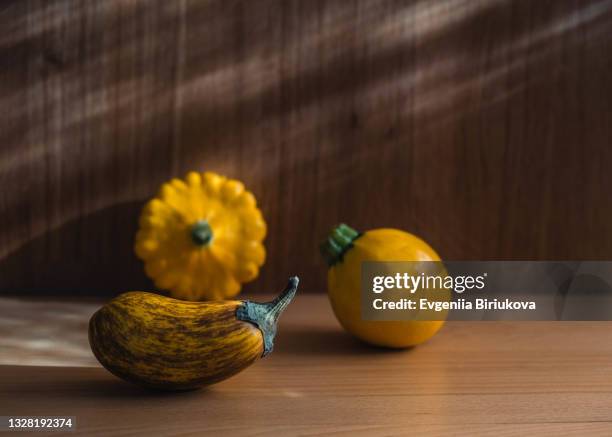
(201, 237)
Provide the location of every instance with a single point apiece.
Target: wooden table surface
(501, 378)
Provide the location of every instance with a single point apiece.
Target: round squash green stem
(201, 233)
(339, 241)
(265, 315)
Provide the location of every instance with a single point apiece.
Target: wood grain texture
(482, 126)
(487, 378)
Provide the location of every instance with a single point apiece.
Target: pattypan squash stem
(265, 315)
(201, 233)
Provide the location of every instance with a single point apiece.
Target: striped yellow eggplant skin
(163, 343)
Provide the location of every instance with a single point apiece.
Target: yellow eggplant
(164, 343)
(345, 250)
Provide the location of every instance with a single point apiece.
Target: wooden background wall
(483, 126)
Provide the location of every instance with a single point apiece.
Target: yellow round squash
(345, 250)
(201, 237)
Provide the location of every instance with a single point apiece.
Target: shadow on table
(331, 342)
(118, 389)
(81, 384)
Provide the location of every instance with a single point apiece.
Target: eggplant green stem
(339, 241)
(265, 315)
